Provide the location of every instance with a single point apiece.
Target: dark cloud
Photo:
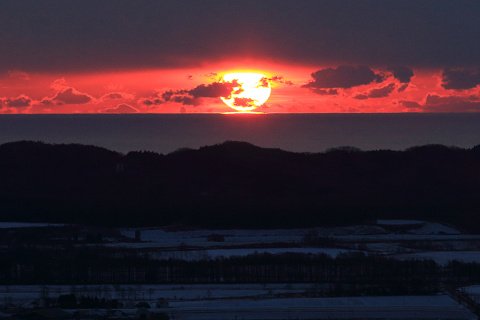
(70, 96)
(343, 77)
(410, 104)
(121, 108)
(18, 102)
(278, 79)
(381, 92)
(403, 87)
(187, 100)
(377, 92)
(214, 90)
(169, 94)
(402, 73)
(52, 35)
(151, 101)
(436, 103)
(117, 96)
(195, 95)
(361, 96)
(461, 78)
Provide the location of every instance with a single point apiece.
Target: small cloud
(121, 108)
(194, 96)
(151, 101)
(343, 77)
(214, 90)
(187, 100)
(117, 96)
(403, 87)
(18, 102)
(281, 80)
(243, 102)
(71, 96)
(66, 94)
(361, 96)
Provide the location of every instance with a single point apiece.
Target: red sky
(141, 91)
(90, 56)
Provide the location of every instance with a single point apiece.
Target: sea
(165, 133)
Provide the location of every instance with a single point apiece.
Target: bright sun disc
(252, 91)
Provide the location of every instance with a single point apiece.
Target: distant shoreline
(165, 133)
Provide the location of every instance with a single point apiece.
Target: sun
(251, 91)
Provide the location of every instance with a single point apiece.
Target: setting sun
(253, 90)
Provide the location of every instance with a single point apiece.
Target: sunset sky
(170, 56)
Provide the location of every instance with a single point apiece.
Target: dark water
(296, 132)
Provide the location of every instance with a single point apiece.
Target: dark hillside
(236, 184)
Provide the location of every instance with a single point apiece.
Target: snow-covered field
(401, 239)
(250, 301)
(475, 290)
(397, 307)
(442, 257)
(396, 238)
(192, 255)
(25, 294)
(199, 238)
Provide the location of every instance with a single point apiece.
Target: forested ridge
(236, 184)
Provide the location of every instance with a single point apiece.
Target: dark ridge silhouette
(236, 184)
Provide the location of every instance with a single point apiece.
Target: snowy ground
(398, 307)
(195, 255)
(158, 237)
(130, 294)
(250, 301)
(472, 290)
(401, 239)
(442, 257)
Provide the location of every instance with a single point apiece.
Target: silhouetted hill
(236, 184)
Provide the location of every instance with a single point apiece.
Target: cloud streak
(377, 92)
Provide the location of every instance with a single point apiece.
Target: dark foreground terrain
(236, 184)
(234, 231)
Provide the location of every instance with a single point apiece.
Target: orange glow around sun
(253, 90)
